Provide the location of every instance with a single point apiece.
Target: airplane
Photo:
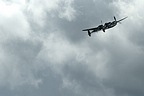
(104, 27)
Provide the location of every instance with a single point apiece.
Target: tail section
(103, 29)
(89, 33)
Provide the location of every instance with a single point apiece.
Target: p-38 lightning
(102, 27)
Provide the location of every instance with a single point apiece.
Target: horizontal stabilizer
(85, 30)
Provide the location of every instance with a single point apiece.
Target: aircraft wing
(122, 19)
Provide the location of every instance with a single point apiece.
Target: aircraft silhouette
(102, 27)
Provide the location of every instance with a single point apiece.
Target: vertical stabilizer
(114, 18)
(89, 33)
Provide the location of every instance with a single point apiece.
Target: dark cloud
(44, 51)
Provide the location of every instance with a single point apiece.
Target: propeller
(101, 22)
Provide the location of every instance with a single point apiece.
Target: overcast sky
(43, 51)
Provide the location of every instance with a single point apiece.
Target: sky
(43, 51)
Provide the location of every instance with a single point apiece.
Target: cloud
(13, 22)
(17, 62)
(44, 51)
(126, 61)
(18, 51)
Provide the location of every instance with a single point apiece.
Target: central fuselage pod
(114, 23)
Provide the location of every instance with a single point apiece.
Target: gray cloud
(44, 52)
(18, 61)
